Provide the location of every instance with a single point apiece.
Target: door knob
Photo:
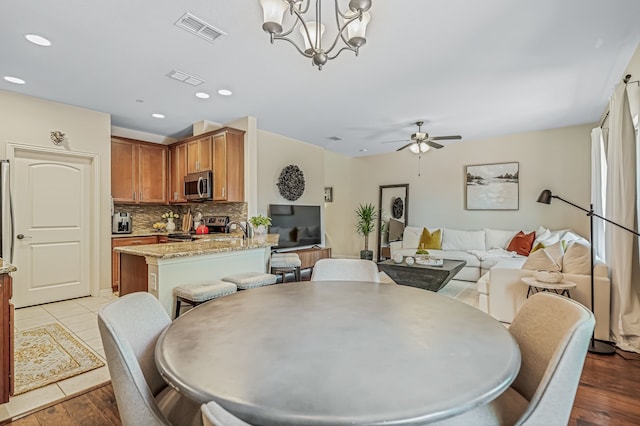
(22, 236)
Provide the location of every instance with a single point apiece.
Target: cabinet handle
(223, 188)
(140, 195)
(134, 195)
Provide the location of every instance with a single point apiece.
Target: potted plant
(259, 224)
(366, 214)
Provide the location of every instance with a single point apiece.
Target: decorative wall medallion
(397, 208)
(291, 182)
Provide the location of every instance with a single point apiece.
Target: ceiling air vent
(185, 78)
(198, 27)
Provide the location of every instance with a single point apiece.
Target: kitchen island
(158, 268)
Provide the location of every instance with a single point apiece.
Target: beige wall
(557, 159)
(274, 152)
(29, 121)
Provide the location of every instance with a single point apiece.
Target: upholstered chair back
(553, 333)
(130, 327)
(345, 270)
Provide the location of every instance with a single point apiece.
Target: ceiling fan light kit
(352, 27)
(421, 142)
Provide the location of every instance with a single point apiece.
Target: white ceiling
(468, 67)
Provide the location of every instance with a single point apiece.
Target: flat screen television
(296, 225)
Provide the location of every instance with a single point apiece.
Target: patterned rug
(48, 354)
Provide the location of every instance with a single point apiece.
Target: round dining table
(338, 353)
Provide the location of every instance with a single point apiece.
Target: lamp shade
(545, 197)
(424, 147)
(356, 30)
(311, 43)
(415, 148)
(273, 10)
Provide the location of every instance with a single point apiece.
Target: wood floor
(609, 394)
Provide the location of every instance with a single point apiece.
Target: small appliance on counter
(121, 223)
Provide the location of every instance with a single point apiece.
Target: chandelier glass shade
(419, 147)
(350, 35)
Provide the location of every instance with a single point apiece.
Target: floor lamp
(596, 346)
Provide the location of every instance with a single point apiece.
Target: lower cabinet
(309, 256)
(6, 340)
(116, 266)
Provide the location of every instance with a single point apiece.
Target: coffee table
(422, 276)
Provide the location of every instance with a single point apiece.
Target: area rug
(48, 354)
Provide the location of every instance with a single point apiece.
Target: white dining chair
(345, 270)
(214, 415)
(129, 328)
(553, 333)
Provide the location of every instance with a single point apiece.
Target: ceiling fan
(421, 141)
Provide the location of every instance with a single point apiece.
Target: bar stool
(196, 293)
(247, 280)
(283, 263)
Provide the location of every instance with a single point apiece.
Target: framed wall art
(492, 186)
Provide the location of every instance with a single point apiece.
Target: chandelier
(419, 147)
(351, 25)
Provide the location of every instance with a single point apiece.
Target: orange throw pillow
(522, 243)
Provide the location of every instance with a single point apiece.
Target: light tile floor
(79, 316)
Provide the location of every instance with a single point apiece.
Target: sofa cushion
(521, 243)
(453, 239)
(497, 238)
(577, 259)
(430, 240)
(411, 237)
(541, 260)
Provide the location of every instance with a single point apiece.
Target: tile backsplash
(144, 216)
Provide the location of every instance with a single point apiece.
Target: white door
(51, 196)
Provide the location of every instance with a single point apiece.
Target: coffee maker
(121, 223)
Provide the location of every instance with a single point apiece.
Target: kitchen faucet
(244, 229)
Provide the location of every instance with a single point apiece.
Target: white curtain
(598, 190)
(621, 207)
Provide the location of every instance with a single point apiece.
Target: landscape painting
(492, 186)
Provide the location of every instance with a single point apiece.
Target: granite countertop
(199, 247)
(6, 267)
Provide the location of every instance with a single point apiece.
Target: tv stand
(309, 256)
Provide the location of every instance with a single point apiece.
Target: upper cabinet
(221, 151)
(138, 171)
(177, 172)
(228, 165)
(199, 155)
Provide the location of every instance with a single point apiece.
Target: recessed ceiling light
(225, 92)
(14, 80)
(202, 95)
(36, 39)
(140, 101)
(364, 150)
(156, 115)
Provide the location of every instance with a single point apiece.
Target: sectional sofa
(499, 273)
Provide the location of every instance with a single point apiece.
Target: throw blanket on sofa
(493, 253)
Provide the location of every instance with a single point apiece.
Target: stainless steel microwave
(199, 186)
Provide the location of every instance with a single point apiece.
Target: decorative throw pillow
(541, 260)
(454, 239)
(577, 258)
(556, 251)
(411, 237)
(522, 243)
(430, 240)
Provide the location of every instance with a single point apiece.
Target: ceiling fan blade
(445, 138)
(433, 144)
(400, 140)
(406, 146)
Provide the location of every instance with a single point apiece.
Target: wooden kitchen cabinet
(199, 155)
(138, 171)
(228, 165)
(115, 256)
(6, 341)
(177, 172)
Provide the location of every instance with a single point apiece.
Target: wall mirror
(393, 216)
